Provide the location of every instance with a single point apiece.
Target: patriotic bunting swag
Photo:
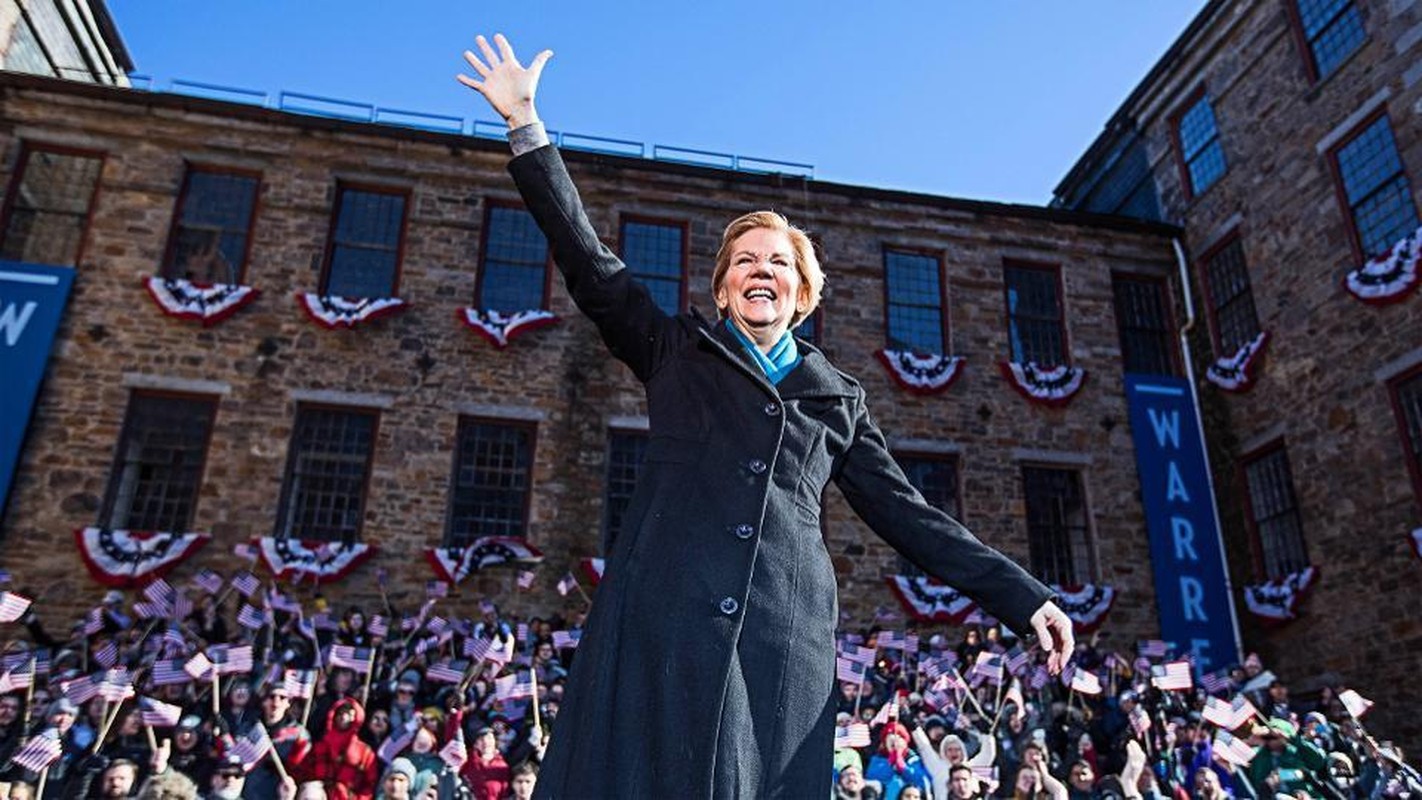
(205, 303)
(921, 374)
(325, 562)
(1389, 277)
(454, 564)
(330, 311)
(592, 568)
(126, 559)
(927, 600)
(500, 328)
(1275, 601)
(1236, 373)
(1086, 605)
(1054, 386)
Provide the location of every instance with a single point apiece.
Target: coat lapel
(814, 377)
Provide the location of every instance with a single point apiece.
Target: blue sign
(32, 299)
(1191, 582)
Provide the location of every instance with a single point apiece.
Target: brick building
(1286, 139)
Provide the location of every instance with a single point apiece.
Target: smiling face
(761, 290)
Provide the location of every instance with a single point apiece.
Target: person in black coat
(707, 667)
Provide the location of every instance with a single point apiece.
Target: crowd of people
(235, 690)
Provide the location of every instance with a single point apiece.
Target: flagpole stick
(276, 761)
(30, 693)
(586, 599)
(858, 695)
(152, 740)
(369, 673)
(997, 701)
(44, 778)
(533, 676)
(311, 701)
(968, 690)
(216, 694)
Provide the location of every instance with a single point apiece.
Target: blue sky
(988, 100)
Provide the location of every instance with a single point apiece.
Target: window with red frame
(1274, 513)
(936, 478)
(1407, 399)
(1231, 297)
(211, 226)
(489, 491)
(1376, 188)
(327, 471)
(513, 275)
(158, 468)
(363, 259)
(915, 301)
(49, 204)
(1143, 323)
(1034, 315)
(1333, 29)
(656, 255)
(1058, 535)
(1200, 148)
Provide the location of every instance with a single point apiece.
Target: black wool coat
(706, 667)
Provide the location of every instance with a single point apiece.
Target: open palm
(508, 85)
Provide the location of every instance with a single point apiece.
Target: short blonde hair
(812, 277)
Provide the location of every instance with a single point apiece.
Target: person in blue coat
(896, 765)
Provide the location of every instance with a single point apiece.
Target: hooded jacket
(341, 760)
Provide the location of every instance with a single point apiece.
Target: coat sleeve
(882, 496)
(634, 328)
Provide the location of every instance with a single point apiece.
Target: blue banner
(32, 299)
(1191, 580)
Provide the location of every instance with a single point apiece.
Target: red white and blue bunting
(921, 373)
(500, 328)
(454, 564)
(1391, 276)
(1417, 541)
(1236, 373)
(1054, 386)
(128, 559)
(301, 559)
(927, 600)
(593, 568)
(1275, 601)
(205, 303)
(1086, 605)
(330, 311)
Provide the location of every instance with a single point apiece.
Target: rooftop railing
(335, 108)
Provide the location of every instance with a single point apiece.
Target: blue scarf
(783, 356)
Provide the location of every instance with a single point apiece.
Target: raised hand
(505, 83)
(1054, 633)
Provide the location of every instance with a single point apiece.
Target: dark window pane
(50, 207)
(1275, 514)
(326, 474)
(1200, 145)
(515, 265)
(1375, 183)
(365, 246)
(491, 483)
(915, 301)
(656, 256)
(1143, 325)
(1408, 394)
(809, 328)
(1231, 298)
(1034, 316)
(625, 450)
(210, 235)
(1334, 29)
(1056, 526)
(154, 483)
(936, 478)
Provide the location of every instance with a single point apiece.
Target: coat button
(729, 606)
(745, 530)
(771, 409)
(756, 465)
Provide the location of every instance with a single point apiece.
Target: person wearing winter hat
(950, 753)
(895, 766)
(340, 760)
(397, 781)
(1287, 755)
(486, 772)
(850, 785)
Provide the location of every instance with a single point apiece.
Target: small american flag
(988, 667)
(455, 754)
(1219, 713)
(93, 621)
(566, 584)
(1173, 676)
(855, 734)
(158, 714)
(251, 617)
(378, 626)
(107, 654)
(525, 579)
(169, 672)
(1140, 721)
(409, 623)
(208, 581)
(1233, 749)
(500, 651)
(487, 607)
(933, 667)
(300, 682)
(21, 660)
(252, 747)
(80, 690)
(1153, 648)
(442, 672)
(864, 655)
(231, 659)
(521, 631)
(1086, 682)
(888, 711)
(40, 751)
(199, 667)
(940, 701)
(246, 584)
(1215, 682)
(356, 658)
(1017, 659)
(161, 593)
(476, 648)
(513, 686)
(394, 745)
(146, 609)
(247, 551)
(116, 685)
(437, 625)
(182, 606)
(891, 640)
(847, 669)
(425, 643)
(436, 589)
(949, 680)
(281, 602)
(13, 606)
(563, 640)
(1355, 704)
(12, 681)
(1040, 677)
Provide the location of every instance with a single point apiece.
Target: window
(1332, 29)
(154, 482)
(493, 463)
(809, 328)
(1375, 188)
(1407, 400)
(1200, 150)
(212, 226)
(1034, 315)
(49, 205)
(936, 478)
(1118, 181)
(1056, 526)
(1274, 513)
(363, 259)
(913, 283)
(326, 474)
(625, 449)
(513, 270)
(1144, 325)
(656, 255)
(1230, 297)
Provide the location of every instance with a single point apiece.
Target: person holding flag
(718, 604)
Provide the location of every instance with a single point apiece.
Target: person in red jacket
(340, 760)
(486, 772)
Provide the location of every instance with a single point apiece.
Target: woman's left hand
(1053, 628)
